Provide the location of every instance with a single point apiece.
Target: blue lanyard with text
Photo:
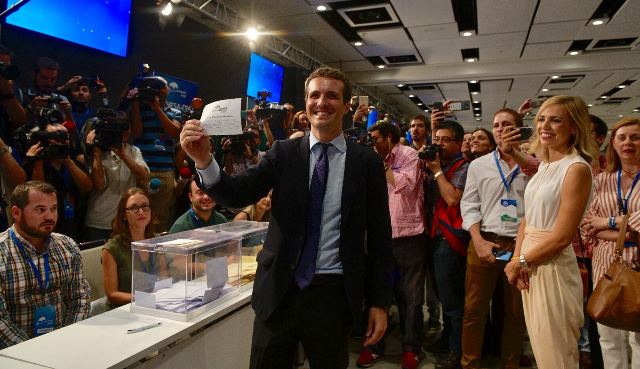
(507, 186)
(623, 203)
(47, 270)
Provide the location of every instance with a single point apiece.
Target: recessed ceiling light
(321, 8)
(476, 108)
(470, 60)
(400, 85)
(426, 110)
(412, 95)
(358, 43)
(573, 53)
(555, 77)
(589, 105)
(545, 90)
(478, 119)
(380, 66)
(604, 96)
(477, 115)
(467, 33)
(476, 102)
(636, 110)
(474, 93)
(622, 86)
(620, 116)
(420, 104)
(473, 81)
(598, 22)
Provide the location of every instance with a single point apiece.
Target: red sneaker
(367, 358)
(409, 360)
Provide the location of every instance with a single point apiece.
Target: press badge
(508, 212)
(45, 320)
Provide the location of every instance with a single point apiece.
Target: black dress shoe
(452, 361)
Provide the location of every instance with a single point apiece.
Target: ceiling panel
(546, 50)
(565, 10)
(386, 42)
(514, 16)
(423, 12)
(553, 32)
(434, 32)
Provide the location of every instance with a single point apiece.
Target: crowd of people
(480, 225)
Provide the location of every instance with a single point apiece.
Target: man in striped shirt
(41, 284)
(409, 245)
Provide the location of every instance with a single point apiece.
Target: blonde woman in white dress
(544, 265)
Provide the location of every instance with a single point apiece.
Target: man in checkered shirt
(41, 284)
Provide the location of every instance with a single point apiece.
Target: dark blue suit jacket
(365, 230)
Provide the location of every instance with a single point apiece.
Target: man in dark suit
(328, 247)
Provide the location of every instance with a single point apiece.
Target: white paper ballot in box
(222, 117)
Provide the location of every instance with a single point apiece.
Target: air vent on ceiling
(615, 100)
(375, 60)
(563, 80)
(401, 59)
(614, 43)
(370, 15)
(422, 86)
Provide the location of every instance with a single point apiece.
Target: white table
(220, 338)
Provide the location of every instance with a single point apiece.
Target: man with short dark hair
(316, 269)
(449, 240)
(201, 213)
(404, 187)
(420, 130)
(41, 284)
(43, 89)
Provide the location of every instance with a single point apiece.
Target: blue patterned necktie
(306, 268)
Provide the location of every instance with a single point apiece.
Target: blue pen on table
(143, 328)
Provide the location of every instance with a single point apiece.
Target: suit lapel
(302, 176)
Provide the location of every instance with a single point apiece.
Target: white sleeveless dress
(553, 303)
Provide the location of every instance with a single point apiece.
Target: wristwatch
(523, 262)
(437, 174)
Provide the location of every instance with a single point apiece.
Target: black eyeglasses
(137, 208)
(445, 140)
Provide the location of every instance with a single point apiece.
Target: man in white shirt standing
(492, 206)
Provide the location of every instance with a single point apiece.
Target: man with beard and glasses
(201, 213)
(41, 283)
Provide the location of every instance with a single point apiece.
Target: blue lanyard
(195, 218)
(623, 203)
(47, 270)
(507, 186)
(144, 265)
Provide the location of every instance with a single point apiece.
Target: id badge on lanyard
(508, 206)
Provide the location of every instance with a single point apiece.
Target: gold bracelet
(437, 174)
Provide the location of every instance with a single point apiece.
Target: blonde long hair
(578, 113)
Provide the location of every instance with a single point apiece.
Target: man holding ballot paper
(317, 268)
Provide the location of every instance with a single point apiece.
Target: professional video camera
(238, 142)
(34, 132)
(149, 88)
(274, 112)
(8, 71)
(110, 127)
(143, 72)
(429, 152)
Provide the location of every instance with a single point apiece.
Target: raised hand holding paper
(222, 117)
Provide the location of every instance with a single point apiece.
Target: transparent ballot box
(182, 275)
(252, 235)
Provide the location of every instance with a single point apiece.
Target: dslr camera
(8, 71)
(149, 88)
(429, 152)
(110, 127)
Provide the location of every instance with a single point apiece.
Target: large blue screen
(99, 24)
(265, 75)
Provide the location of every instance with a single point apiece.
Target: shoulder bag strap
(621, 236)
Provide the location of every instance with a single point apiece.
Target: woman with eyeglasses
(133, 222)
(617, 193)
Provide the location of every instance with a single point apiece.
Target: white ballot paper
(222, 117)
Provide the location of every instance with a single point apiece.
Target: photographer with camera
(12, 114)
(49, 158)
(79, 91)
(11, 176)
(43, 93)
(448, 169)
(241, 152)
(116, 166)
(155, 127)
